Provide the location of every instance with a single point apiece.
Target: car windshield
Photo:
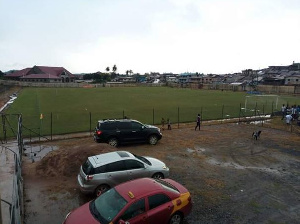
(143, 159)
(108, 205)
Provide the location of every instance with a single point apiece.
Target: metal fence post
(4, 128)
(255, 109)
(90, 123)
(240, 113)
(223, 111)
(201, 115)
(153, 116)
(51, 125)
(178, 117)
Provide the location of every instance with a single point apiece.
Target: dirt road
(232, 178)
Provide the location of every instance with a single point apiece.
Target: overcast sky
(205, 36)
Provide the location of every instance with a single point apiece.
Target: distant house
(293, 79)
(274, 80)
(42, 74)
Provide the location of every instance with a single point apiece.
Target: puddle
(234, 165)
(36, 153)
(197, 150)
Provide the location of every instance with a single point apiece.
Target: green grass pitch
(78, 109)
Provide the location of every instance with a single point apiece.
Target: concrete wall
(75, 85)
(267, 89)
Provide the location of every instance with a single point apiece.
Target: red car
(145, 200)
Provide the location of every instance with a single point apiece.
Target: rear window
(87, 168)
(107, 126)
(167, 186)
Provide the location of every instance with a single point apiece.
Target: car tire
(158, 176)
(113, 142)
(101, 189)
(96, 140)
(177, 218)
(153, 139)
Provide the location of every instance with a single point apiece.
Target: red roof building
(42, 74)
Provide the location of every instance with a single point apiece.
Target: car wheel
(101, 189)
(176, 219)
(113, 142)
(153, 140)
(96, 140)
(158, 176)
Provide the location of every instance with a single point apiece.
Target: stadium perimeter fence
(55, 123)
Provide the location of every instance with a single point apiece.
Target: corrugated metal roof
(53, 71)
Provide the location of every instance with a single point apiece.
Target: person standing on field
(283, 111)
(198, 122)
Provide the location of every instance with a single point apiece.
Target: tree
(1, 74)
(107, 69)
(114, 69)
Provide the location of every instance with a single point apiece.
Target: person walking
(198, 122)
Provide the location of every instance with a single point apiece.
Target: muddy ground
(232, 178)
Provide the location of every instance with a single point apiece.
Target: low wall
(267, 89)
(75, 85)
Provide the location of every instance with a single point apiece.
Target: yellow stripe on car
(180, 202)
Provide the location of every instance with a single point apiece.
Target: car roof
(138, 188)
(116, 120)
(105, 158)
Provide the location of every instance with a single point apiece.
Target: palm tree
(107, 69)
(114, 68)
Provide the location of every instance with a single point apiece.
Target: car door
(138, 131)
(160, 208)
(134, 214)
(124, 129)
(136, 169)
(116, 173)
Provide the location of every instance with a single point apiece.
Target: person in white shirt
(288, 119)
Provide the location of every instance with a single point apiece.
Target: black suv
(115, 132)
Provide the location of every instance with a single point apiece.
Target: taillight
(99, 132)
(89, 177)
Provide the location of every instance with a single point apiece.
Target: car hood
(81, 215)
(151, 126)
(155, 162)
